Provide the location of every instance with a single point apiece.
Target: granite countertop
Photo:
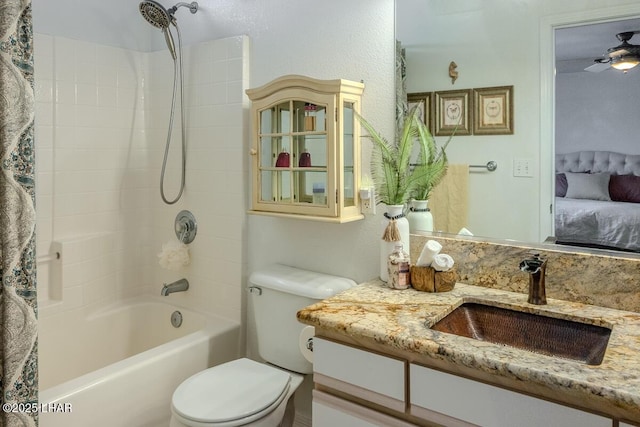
(380, 318)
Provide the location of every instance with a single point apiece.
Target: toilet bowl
(237, 393)
(245, 392)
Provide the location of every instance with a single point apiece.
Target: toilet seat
(230, 394)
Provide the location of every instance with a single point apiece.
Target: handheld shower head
(160, 17)
(155, 14)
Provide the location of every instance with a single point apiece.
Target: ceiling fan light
(625, 62)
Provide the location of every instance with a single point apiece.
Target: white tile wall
(101, 127)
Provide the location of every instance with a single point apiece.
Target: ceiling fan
(622, 57)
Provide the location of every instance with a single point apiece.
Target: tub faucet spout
(177, 286)
(536, 267)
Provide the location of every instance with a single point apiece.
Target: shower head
(156, 14)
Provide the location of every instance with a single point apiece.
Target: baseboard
(302, 420)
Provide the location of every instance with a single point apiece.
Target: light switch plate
(523, 167)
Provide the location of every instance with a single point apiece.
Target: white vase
(392, 212)
(419, 216)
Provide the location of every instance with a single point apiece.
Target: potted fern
(397, 180)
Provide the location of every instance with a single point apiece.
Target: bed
(598, 200)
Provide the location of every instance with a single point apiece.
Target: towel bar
(490, 166)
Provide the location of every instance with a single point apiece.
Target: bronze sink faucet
(535, 266)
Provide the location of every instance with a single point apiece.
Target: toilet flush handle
(254, 290)
(310, 344)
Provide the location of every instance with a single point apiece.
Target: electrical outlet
(368, 200)
(366, 205)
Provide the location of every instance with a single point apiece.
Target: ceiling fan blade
(618, 52)
(598, 67)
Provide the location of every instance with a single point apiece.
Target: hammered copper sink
(533, 332)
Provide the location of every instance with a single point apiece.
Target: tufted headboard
(598, 162)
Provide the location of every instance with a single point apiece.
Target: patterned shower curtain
(18, 324)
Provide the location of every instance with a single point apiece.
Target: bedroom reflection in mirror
(597, 200)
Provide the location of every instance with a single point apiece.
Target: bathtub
(120, 366)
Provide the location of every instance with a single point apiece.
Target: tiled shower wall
(101, 122)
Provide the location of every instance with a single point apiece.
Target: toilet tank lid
(300, 282)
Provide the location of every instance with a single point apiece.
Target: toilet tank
(277, 293)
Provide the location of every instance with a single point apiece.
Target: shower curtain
(18, 310)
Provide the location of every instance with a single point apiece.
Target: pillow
(594, 186)
(561, 185)
(625, 188)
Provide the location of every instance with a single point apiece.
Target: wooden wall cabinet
(306, 148)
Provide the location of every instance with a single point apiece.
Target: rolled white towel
(174, 255)
(442, 262)
(430, 250)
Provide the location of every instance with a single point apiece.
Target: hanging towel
(449, 200)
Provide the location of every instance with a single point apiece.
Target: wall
(353, 41)
(494, 43)
(216, 76)
(88, 138)
(598, 111)
(101, 126)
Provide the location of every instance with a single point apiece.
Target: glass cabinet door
(294, 153)
(348, 154)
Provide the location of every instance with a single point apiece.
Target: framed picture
(493, 111)
(452, 111)
(423, 101)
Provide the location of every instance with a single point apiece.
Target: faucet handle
(534, 256)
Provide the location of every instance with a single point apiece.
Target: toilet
(243, 391)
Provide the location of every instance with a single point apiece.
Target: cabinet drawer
(331, 411)
(367, 371)
(487, 405)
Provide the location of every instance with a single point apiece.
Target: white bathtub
(120, 366)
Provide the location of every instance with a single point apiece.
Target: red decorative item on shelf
(305, 160)
(283, 160)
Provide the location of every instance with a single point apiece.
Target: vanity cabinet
(363, 376)
(306, 148)
(358, 387)
(441, 397)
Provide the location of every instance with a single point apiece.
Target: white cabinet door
(331, 411)
(376, 378)
(482, 404)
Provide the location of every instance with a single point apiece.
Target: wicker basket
(426, 279)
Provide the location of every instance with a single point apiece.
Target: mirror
(596, 130)
(499, 44)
